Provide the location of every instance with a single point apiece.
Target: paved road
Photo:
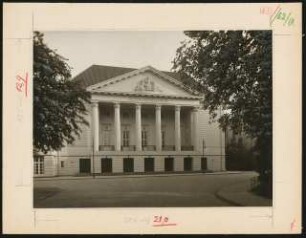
(145, 191)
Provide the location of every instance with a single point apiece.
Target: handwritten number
(160, 219)
(22, 83)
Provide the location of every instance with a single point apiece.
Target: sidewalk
(138, 175)
(239, 195)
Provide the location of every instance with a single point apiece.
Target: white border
(20, 19)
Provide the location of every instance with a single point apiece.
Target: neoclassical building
(141, 121)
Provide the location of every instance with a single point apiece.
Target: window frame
(39, 165)
(125, 138)
(163, 135)
(144, 138)
(106, 134)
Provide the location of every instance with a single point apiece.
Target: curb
(222, 195)
(224, 199)
(137, 175)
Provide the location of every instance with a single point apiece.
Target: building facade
(141, 121)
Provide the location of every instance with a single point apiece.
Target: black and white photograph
(152, 118)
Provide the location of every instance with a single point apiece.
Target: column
(196, 129)
(117, 127)
(177, 128)
(138, 127)
(95, 116)
(158, 134)
(191, 128)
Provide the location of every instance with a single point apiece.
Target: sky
(133, 49)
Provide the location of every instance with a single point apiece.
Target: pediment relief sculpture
(146, 85)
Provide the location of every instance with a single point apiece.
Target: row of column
(158, 142)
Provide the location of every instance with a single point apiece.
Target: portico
(145, 121)
(123, 126)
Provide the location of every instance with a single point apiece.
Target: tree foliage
(233, 69)
(59, 103)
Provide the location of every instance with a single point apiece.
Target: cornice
(147, 95)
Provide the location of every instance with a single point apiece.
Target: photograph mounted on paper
(152, 119)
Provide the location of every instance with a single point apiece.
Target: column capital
(137, 105)
(196, 108)
(116, 104)
(177, 108)
(94, 104)
(158, 106)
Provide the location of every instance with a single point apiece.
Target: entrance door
(188, 164)
(149, 164)
(204, 163)
(106, 165)
(128, 165)
(169, 164)
(84, 165)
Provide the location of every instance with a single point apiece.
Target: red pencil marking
(22, 82)
(292, 225)
(162, 221)
(167, 224)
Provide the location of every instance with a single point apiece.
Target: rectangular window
(144, 138)
(62, 164)
(188, 164)
(163, 138)
(204, 163)
(106, 165)
(106, 136)
(84, 165)
(128, 165)
(39, 165)
(126, 139)
(149, 164)
(169, 164)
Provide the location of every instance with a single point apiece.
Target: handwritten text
(278, 14)
(22, 84)
(162, 221)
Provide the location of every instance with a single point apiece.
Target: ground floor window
(84, 165)
(187, 163)
(169, 164)
(106, 165)
(149, 164)
(204, 163)
(128, 165)
(39, 167)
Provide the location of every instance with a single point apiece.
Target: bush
(239, 157)
(264, 185)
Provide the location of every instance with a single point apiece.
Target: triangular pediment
(145, 81)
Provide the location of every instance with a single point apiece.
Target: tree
(233, 69)
(59, 103)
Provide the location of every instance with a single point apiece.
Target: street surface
(182, 190)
